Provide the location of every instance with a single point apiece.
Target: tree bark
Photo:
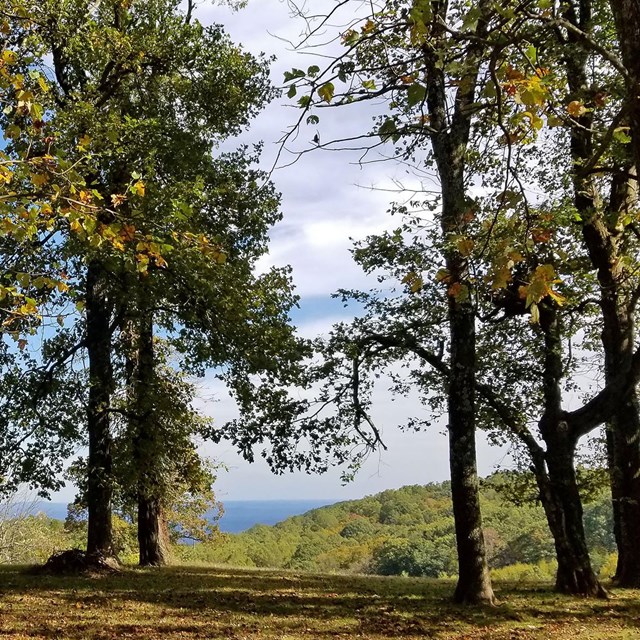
(626, 16)
(625, 488)
(153, 538)
(563, 508)
(559, 491)
(625, 428)
(474, 583)
(99, 472)
(152, 530)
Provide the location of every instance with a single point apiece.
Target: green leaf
(387, 130)
(532, 54)
(293, 90)
(327, 91)
(12, 132)
(416, 94)
(470, 21)
(293, 74)
(23, 279)
(313, 71)
(621, 135)
(313, 119)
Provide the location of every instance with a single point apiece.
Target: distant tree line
(407, 531)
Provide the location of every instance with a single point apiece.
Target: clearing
(203, 602)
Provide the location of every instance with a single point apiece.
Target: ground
(196, 602)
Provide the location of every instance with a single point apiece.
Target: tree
(624, 432)
(447, 125)
(603, 199)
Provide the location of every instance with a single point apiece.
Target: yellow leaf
(117, 199)
(368, 27)
(138, 188)
(9, 57)
(575, 109)
(327, 91)
(465, 246)
(39, 179)
(535, 314)
(413, 281)
(556, 297)
(501, 278)
(43, 84)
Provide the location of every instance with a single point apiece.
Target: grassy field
(184, 602)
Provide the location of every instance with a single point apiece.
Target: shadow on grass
(237, 602)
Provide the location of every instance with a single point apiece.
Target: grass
(196, 602)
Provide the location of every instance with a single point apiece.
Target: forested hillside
(408, 530)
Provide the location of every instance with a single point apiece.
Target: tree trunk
(625, 487)
(626, 15)
(623, 429)
(563, 507)
(559, 489)
(474, 584)
(100, 480)
(152, 533)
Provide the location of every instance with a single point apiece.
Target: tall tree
(624, 430)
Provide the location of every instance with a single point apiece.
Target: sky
(328, 200)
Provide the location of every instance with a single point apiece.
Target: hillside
(405, 531)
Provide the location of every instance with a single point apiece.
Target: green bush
(521, 572)
(412, 558)
(30, 539)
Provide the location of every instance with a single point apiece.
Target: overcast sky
(327, 199)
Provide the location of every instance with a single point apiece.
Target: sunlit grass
(198, 602)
